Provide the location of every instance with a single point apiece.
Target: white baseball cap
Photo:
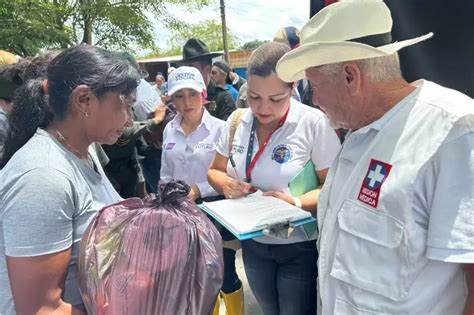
(185, 78)
(343, 31)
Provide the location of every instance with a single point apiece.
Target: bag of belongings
(160, 255)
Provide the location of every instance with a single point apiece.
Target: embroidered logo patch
(282, 153)
(372, 183)
(170, 145)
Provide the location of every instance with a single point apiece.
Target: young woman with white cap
(189, 146)
(189, 140)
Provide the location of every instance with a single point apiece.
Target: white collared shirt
(305, 135)
(147, 100)
(188, 158)
(236, 79)
(393, 259)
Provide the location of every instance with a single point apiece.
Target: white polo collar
(206, 120)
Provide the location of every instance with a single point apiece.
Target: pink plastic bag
(157, 256)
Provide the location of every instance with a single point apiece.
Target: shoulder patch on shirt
(170, 145)
(372, 183)
(282, 153)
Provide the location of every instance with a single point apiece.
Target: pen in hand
(232, 163)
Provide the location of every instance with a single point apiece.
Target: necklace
(62, 139)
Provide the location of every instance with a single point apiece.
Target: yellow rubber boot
(217, 305)
(234, 302)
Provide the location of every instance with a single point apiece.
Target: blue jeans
(282, 277)
(151, 166)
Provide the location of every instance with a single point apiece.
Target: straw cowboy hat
(343, 31)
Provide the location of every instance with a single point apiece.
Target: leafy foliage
(28, 26)
(31, 25)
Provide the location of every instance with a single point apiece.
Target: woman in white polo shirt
(189, 145)
(276, 138)
(189, 140)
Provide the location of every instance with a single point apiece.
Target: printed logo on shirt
(372, 183)
(237, 149)
(170, 145)
(203, 146)
(282, 153)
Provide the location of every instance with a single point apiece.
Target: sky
(248, 19)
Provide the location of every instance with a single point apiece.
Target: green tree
(209, 31)
(118, 24)
(252, 45)
(30, 25)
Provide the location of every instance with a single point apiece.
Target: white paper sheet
(254, 212)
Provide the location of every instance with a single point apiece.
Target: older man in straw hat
(396, 212)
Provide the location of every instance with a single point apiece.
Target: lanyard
(250, 163)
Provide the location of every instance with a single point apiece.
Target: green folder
(306, 180)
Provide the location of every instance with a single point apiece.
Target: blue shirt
(233, 91)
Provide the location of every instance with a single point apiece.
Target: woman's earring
(86, 114)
